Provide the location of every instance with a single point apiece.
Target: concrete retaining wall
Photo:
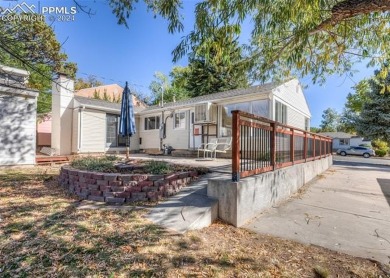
(240, 201)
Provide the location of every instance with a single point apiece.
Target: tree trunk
(352, 8)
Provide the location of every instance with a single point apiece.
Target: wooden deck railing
(260, 145)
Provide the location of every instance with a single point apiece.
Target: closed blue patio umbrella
(127, 119)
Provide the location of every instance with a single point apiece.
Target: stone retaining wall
(120, 188)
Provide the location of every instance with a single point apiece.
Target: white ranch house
(85, 125)
(342, 140)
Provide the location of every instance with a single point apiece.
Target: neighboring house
(345, 140)
(18, 110)
(113, 92)
(81, 125)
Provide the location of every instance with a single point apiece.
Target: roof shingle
(260, 89)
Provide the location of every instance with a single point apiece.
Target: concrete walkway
(191, 208)
(347, 209)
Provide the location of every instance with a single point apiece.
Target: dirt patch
(43, 233)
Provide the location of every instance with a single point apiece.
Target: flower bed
(121, 188)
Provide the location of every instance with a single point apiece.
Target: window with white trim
(280, 112)
(180, 120)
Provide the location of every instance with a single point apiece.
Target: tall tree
(374, 119)
(298, 36)
(216, 62)
(32, 45)
(330, 120)
(354, 106)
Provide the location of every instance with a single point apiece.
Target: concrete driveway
(346, 209)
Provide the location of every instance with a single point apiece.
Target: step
(191, 209)
(185, 153)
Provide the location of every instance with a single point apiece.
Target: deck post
(292, 145)
(305, 147)
(273, 146)
(236, 146)
(314, 147)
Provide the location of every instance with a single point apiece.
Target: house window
(257, 107)
(280, 112)
(307, 124)
(152, 123)
(113, 139)
(180, 120)
(344, 142)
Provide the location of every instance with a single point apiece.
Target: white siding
(75, 131)
(93, 131)
(295, 118)
(291, 94)
(17, 129)
(134, 140)
(356, 141)
(178, 138)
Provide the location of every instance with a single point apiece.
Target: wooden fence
(260, 145)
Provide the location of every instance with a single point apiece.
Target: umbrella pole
(127, 147)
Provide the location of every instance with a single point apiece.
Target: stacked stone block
(121, 188)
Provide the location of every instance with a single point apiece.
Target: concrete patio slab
(347, 209)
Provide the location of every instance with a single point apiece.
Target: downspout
(161, 130)
(189, 128)
(80, 126)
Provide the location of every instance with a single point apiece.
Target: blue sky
(116, 54)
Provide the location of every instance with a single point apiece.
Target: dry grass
(43, 233)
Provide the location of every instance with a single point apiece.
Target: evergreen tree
(96, 95)
(374, 119)
(106, 97)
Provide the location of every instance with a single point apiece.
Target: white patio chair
(223, 145)
(208, 148)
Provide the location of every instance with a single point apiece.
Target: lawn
(43, 232)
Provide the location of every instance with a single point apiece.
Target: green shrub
(97, 164)
(158, 167)
(381, 153)
(380, 145)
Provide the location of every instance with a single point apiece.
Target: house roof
(339, 135)
(259, 89)
(112, 91)
(98, 103)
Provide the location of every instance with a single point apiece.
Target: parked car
(364, 151)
